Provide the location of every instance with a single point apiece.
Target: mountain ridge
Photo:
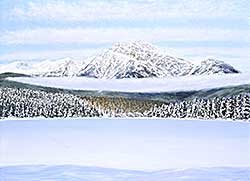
(139, 59)
(133, 59)
(47, 68)
(136, 59)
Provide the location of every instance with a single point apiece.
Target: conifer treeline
(22, 103)
(32, 103)
(234, 107)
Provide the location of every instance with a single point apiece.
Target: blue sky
(194, 29)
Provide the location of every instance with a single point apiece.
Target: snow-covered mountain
(58, 68)
(17, 67)
(139, 59)
(49, 68)
(212, 66)
(135, 59)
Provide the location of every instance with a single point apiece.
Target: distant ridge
(47, 68)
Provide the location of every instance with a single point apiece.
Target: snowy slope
(212, 66)
(58, 68)
(139, 59)
(49, 68)
(22, 67)
(185, 83)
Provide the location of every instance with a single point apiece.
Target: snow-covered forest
(21, 103)
(234, 107)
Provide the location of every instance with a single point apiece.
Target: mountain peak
(138, 45)
(135, 59)
(139, 59)
(134, 49)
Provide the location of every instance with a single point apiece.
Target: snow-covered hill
(139, 59)
(49, 68)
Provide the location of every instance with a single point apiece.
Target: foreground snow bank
(134, 144)
(80, 173)
(140, 85)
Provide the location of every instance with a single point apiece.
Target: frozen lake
(140, 144)
(85, 149)
(81, 173)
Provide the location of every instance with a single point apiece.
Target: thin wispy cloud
(89, 10)
(109, 35)
(196, 54)
(190, 28)
(80, 54)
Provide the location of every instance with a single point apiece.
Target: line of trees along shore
(31, 103)
(23, 103)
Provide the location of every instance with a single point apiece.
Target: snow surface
(115, 149)
(134, 144)
(80, 173)
(140, 85)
